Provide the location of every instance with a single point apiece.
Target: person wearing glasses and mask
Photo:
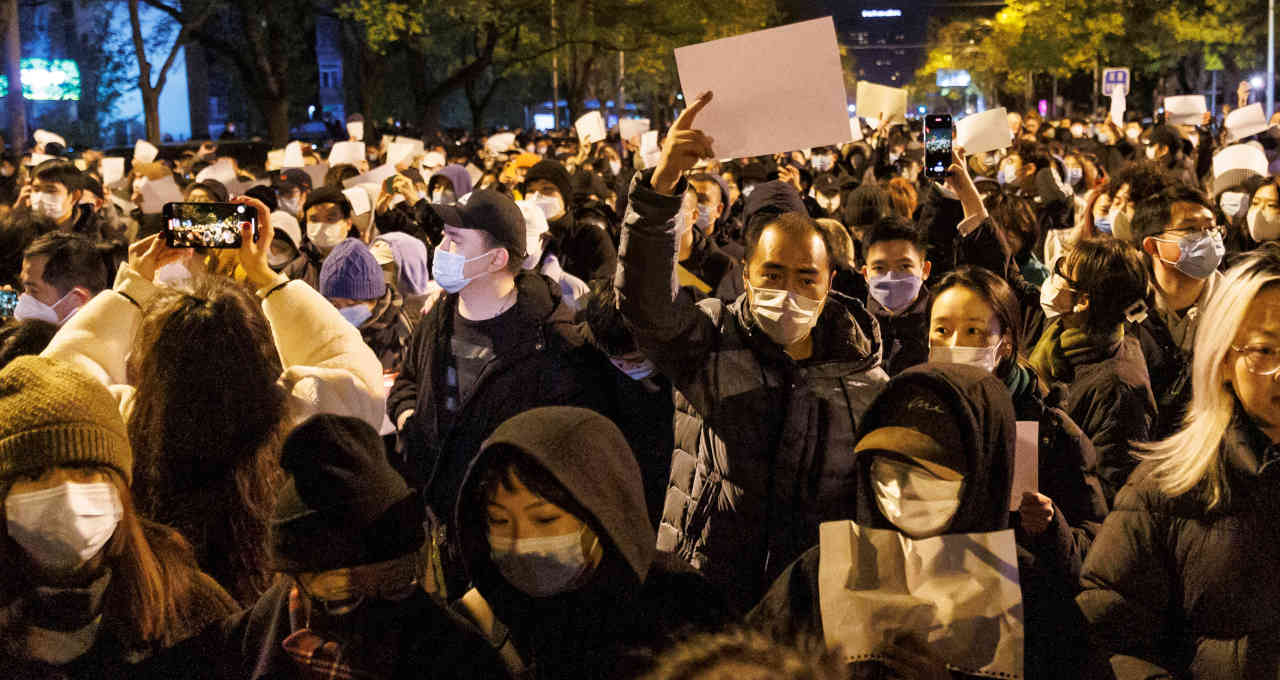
(1094, 290)
(1183, 247)
(770, 382)
(1181, 581)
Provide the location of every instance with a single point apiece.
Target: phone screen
(206, 225)
(937, 146)
(8, 302)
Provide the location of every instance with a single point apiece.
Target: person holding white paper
(933, 464)
(754, 374)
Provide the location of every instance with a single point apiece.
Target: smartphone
(8, 303)
(207, 225)
(937, 145)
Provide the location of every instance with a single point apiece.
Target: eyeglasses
(1260, 359)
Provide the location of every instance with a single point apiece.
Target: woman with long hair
(1181, 581)
(89, 586)
(210, 376)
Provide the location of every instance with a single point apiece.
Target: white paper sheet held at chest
(316, 172)
(350, 153)
(293, 155)
(222, 171)
(855, 129)
(144, 151)
(959, 594)
(983, 132)
(1184, 109)
(376, 176)
(157, 192)
(630, 128)
(1026, 462)
(1117, 106)
(779, 89)
(875, 99)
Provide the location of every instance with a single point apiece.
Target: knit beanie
(343, 504)
(554, 172)
(350, 271)
(52, 413)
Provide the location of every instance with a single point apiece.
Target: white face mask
(291, 205)
(1232, 203)
(63, 527)
(1263, 225)
(985, 358)
(447, 268)
(1133, 134)
(30, 308)
(49, 205)
(615, 167)
(540, 566)
(915, 500)
(1010, 174)
(783, 316)
(1055, 298)
(1151, 153)
(533, 246)
(551, 206)
(634, 371)
(326, 235)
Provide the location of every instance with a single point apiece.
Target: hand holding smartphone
(207, 225)
(938, 130)
(8, 303)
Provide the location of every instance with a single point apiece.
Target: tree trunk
(277, 111)
(151, 113)
(12, 56)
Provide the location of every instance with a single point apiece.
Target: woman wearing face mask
(90, 587)
(209, 377)
(1181, 578)
(351, 599)
(975, 319)
(558, 542)
(1098, 287)
(1258, 218)
(934, 458)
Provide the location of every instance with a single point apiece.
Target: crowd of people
(522, 406)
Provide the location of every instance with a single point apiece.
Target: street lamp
(1271, 57)
(1256, 82)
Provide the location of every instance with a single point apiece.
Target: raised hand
(683, 148)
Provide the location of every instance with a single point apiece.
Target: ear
(1150, 246)
(499, 260)
(1082, 303)
(925, 269)
(81, 295)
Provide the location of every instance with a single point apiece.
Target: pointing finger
(685, 121)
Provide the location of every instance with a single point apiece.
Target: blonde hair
(1190, 459)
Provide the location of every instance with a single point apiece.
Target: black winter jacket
(1175, 590)
(763, 443)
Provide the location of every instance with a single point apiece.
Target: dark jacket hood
(590, 458)
(771, 198)
(984, 410)
(553, 172)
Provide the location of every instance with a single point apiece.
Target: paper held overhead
(157, 192)
(376, 176)
(293, 155)
(1184, 109)
(355, 130)
(855, 129)
(1117, 107)
(359, 199)
(275, 160)
(222, 171)
(984, 132)
(590, 128)
(500, 143)
(144, 151)
(433, 160)
(402, 150)
(112, 169)
(650, 152)
(1246, 121)
(882, 101)
(44, 137)
(348, 153)
(775, 90)
(630, 128)
(316, 172)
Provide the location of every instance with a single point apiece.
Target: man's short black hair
(794, 226)
(893, 228)
(74, 261)
(1151, 215)
(59, 172)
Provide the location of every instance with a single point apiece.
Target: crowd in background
(520, 406)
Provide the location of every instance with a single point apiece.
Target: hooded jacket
(755, 469)
(985, 415)
(584, 251)
(458, 177)
(546, 362)
(1174, 590)
(637, 599)
(387, 331)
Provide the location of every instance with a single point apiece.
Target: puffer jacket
(763, 443)
(1174, 590)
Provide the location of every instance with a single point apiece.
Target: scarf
(1061, 349)
(55, 625)
(363, 644)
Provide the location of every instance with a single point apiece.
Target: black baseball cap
(293, 178)
(488, 211)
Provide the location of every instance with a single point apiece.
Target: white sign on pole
(1115, 77)
(779, 89)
